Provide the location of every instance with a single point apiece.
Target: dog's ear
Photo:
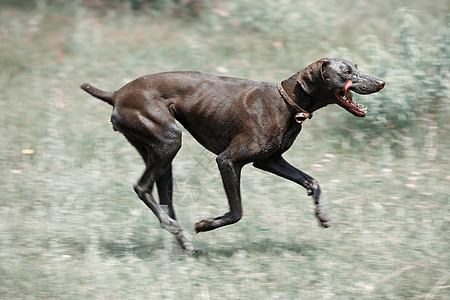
(324, 64)
(312, 80)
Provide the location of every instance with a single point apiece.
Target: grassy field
(71, 226)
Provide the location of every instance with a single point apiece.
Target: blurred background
(71, 226)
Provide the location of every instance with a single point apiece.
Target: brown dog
(241, 121)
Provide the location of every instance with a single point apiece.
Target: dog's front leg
(278, 166)
(313, 189)
(231, 177)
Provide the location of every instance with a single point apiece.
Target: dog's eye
(348, 72)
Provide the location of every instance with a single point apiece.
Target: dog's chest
(290, 135)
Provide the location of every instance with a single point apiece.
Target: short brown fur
(240, 120)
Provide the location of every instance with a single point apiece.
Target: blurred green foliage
(406, 44)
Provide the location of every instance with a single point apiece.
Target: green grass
(71, 226)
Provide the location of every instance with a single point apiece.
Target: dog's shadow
(140, 248)
(267, 246)
(146, 249)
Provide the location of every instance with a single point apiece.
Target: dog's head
(333, 79)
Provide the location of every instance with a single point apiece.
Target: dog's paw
(322, 216)
(204, 225)
(193, 251)
(185, 241)
(325, 224)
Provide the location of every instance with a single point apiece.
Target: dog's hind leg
(164, 183)
(165, 190)
(158, 143)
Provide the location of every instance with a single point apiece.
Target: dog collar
(301, 114)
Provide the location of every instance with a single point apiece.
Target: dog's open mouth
(345, 99)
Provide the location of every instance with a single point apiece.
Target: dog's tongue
(346, 86)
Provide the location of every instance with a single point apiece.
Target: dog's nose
(381, 84)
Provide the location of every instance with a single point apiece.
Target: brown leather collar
(301, 114)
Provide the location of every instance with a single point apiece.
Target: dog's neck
(300, 97)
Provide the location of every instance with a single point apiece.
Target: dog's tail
(108, 97)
